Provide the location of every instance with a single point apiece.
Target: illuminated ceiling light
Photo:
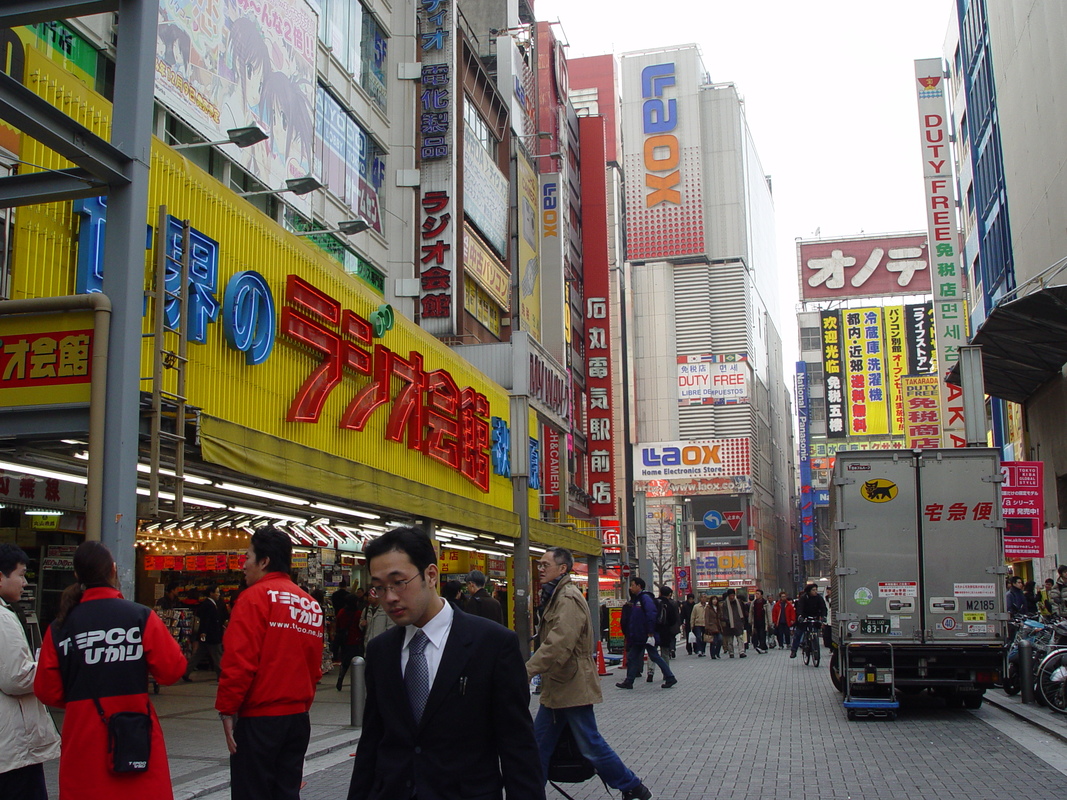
(43, 473)
(266, 514)
(453, 546)
(351, 512)
(43, 512)
(253, 492)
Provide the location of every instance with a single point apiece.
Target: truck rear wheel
(835, 673)
(972, 701)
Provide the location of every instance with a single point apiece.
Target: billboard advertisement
(485, 193)
(1023, 502)
(222, 65)
(662, 160)
(919, 319)
(830, 322)
(866, 266)
(529, 263)
(688, 460)
(726, 567)
(807, 504)
(864, 359)
(713, 380)
(950, 307)
(922, 411)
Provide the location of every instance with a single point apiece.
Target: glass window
(810, 339)
(351, 164)
(479, 128)
(374, 47)
(358, 42)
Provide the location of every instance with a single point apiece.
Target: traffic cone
(601, 667)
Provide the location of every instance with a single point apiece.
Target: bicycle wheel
(1052, 680)
(807, 648)
(815, 652)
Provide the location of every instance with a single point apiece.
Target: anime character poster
(224, 64)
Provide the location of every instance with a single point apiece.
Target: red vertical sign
(1023, 501)
(551, 465)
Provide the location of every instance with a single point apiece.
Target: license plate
(874, 627)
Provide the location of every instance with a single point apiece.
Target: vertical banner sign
(950, 308)
(529, 263)
(831, 364)
(661, 126)
(682, 581)
(598, 349)
(807, 498)
(552, 475)
(919, 319)
(437, 149)
(896, 364)
(1023, 501)
(922, 411)
(868, 413)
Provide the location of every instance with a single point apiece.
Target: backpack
(666, 615)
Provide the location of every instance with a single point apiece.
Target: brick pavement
(764, 726)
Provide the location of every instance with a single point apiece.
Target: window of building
(810, 339)
(479, 129)
(816, 411)
(816, 376)
(358, 42)
(348, 160)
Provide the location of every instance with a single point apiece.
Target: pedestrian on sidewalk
(759, 618)
(668, 622)
(272, 659)
(28, 736)
(440, 665)
(349, 635)
(783, 618)
(686, 610)
(1058, 595)
(696, 618)
(570, 686)
(713, 625)
(95, 662)
(733, 623)
(479, 602)
(640, 631)
(212, 616)
(374, 619)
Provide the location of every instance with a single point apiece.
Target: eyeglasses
(397, 587)
(546, 564)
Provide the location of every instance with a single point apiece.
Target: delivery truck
(917, 577)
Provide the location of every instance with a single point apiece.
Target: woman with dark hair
(452, 591)
(95, 662)
(1031, 596)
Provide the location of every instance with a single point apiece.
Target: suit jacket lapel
(392, 678)
(453, 660)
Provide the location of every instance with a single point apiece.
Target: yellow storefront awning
(296, 466)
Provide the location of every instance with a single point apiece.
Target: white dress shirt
(436, 630)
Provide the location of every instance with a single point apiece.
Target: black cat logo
(879, 490)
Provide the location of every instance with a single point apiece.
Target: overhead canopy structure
(1024, 344)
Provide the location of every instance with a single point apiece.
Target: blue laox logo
(248, 318)
(712, 520)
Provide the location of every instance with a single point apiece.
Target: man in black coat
(440, 665)
(479, 602)
(212, 614)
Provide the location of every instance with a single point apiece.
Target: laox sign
(662, 151)
(673, 456)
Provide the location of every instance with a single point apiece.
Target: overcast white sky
(829, 95)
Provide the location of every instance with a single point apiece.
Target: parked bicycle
(1051, 673)
(1039, 635)
(809, 645)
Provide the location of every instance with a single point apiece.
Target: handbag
(708, 638)
(567, 764)
(129, 739)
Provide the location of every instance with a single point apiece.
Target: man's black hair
(11, 556)
(269, 542)
(665, 591)
(639, 581)
(412, 541)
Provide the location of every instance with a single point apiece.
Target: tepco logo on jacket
(301, 609)
(115, 644)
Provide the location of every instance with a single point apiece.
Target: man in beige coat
(570, 685)
(28, 737)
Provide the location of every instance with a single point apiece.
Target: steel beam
(30, 12)
(39, 119)
(48, 187)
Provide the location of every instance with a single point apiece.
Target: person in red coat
(271, 661)
(783, 617)
(101, 649)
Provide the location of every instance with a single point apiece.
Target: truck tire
(953, 701)
(972, 701)
(835, 673)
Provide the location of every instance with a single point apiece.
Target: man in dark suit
(480, 603)
(440, 665)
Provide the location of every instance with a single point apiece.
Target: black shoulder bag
(129, 739)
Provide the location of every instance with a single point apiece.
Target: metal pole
(972, 381)
(124, 248)
(644, 563)
(520, 483)
(594, 594)
(1026, 669)
(358, 694)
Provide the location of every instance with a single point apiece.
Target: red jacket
(272, 650)
(83, 770)
(790, 613)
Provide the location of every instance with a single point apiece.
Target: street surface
(763, 726)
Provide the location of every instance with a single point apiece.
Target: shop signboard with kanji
(863, 266)
(1023, 499)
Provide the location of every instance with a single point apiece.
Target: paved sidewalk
(199, 762)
